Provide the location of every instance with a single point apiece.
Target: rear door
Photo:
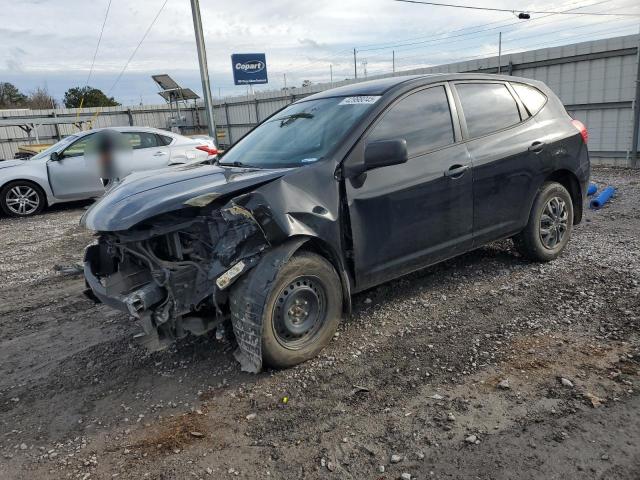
(406, 216)
(148, 151)
(503, 143)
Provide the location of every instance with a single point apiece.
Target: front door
(406, 216)
(70, 177)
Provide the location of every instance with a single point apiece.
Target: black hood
(143, 195)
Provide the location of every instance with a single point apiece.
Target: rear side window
(423, 119)
(488, 107)
(140, 140)
(532, 98)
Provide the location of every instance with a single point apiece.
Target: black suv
(336, 193)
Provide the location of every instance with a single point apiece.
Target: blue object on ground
(604, 197)
(592, 189)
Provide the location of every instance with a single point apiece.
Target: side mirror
(385, 153)
(55, 156)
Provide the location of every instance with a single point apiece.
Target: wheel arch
(569, 180)
(322, 248)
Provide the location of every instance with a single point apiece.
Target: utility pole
(393, 53)
(331, 73)
(204, 69)
(285, 81)
(364, 67)
(499, 51)
(355, 64)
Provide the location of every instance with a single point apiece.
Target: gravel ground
(483, 367)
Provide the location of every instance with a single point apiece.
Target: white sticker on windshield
(308, 160)
(360, 100)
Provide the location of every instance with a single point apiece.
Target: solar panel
(165, 81)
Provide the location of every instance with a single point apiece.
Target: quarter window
(532, 98)
(488, 107)
(164, 139)
(423, 119)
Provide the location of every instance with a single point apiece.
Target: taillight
(582, 129)
(208, 149)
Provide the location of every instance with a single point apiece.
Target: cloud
(300, 39)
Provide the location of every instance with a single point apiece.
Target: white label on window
(360, 100)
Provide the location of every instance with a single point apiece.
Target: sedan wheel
(21, 199)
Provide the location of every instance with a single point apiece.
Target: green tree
(93, 97)
(10, 96)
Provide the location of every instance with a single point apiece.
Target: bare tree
(40, 99)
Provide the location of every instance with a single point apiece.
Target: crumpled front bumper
(131, 302)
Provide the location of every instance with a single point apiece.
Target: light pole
(204, 70)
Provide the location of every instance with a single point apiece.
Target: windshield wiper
(289, 119)
(234, 164)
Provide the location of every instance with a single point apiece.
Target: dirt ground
(484, 367)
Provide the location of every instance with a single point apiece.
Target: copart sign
(249, 68)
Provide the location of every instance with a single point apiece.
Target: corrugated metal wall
(596, 81)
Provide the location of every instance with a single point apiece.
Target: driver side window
(423, 119)
(77, 148)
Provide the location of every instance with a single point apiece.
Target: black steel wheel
(299, 312)
(299, 303)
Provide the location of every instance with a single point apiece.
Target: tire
(292, 331)
(22, 199)
(550, 224)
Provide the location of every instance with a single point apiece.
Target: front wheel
(22, 199)
(550, 223)
(300, 305)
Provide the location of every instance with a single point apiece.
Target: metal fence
(596, 80)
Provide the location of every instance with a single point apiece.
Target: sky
(51, 43)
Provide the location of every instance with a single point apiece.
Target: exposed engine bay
(172, 272)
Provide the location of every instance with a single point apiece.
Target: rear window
(487, 107)
(532, 98)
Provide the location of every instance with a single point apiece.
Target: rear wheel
(300, 308)
(550, 223)
(22, 199)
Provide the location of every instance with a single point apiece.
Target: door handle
(159, 154)
(536, 147)
(456, 171)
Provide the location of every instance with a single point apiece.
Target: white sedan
(60, 174)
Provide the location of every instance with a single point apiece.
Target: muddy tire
(22, 199)
(296, 306)
(550, 223)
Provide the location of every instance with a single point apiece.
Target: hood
(11, 163)
(143, 195)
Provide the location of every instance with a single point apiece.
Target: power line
(93, 62)
(133, 54)
(469, 7)
(383, 45)
(519, 22)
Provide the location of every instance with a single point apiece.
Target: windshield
(56, 147)
(300, 134)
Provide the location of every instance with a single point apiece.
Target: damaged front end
(172, 272)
